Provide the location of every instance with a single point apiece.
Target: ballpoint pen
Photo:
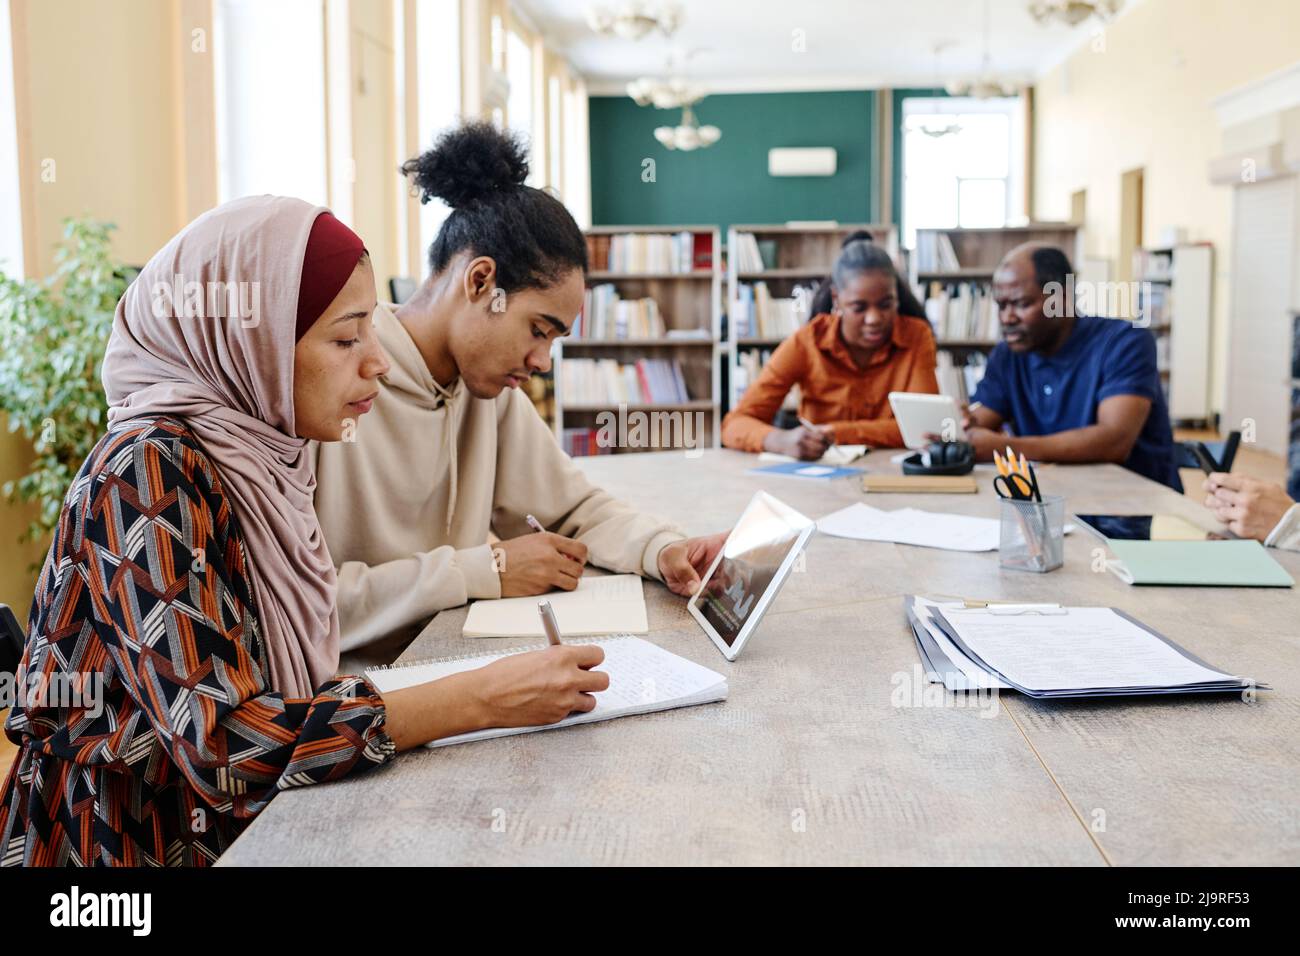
(537, 527)
(817, 428)
(549, 624)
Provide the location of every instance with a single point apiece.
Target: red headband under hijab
(333, 251)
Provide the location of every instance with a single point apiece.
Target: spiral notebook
(643, 678)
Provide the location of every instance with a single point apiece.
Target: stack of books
(963, 311)
(757, 314)
(607, 316)
(637, 252)
(607, 382)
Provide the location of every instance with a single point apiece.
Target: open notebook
(602, 604)
(643, 678)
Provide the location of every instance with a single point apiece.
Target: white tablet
(749, 571)
(919, 414)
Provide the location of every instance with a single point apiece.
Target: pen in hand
(549, 624)
(830, 436)
(537, 527)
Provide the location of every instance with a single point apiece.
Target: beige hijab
(206, 334)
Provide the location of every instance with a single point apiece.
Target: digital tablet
(749, 571)
(919, 414)
(1148, 528)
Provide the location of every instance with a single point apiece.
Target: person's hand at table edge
(683, 563)
(1249, 507)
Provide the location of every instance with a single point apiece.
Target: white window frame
(1011, 107)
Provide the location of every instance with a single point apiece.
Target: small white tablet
(749, 571)
(919, 414)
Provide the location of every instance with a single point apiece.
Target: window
(519, 65)
(438, 98)
(11, 231)
(961, 164)
(555, 133)
(263, 145)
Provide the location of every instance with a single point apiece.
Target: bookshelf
(644, 356)
(952, 273)
(763, 276)
(1175, 301)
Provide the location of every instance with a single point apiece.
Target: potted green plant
(53, 332)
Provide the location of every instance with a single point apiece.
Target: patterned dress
(147, 731)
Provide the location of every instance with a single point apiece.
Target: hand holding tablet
(748, 572)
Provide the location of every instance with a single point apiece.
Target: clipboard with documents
(1050, 652)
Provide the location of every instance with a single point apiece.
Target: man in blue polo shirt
(1074, 388)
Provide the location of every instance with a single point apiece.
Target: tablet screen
(1147, 528)
(751, 558)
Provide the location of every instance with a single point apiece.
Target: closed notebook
(602, 604)
(643, 678)
(1239, 563)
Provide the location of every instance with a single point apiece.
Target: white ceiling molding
(1275, 93)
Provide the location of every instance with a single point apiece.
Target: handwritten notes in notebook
(602, 604)
(643, 678)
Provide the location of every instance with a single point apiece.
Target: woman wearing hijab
(188, 597)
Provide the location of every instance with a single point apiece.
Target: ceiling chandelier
(667, 94)
(1073, 12)
(986, 85)
(934, 127)
(688, 134)
(633, 20)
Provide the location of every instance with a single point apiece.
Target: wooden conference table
(810, 761)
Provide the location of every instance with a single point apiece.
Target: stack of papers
(928, 529)
(1049, 652)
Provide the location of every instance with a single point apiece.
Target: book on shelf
(749, 364)
(757, 314)
(607, 316)
(607, 381)
(578, 442)
(959, 379)
(653, 252)
(962, 311)
(746, 255)
(934, 252)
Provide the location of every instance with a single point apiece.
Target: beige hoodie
(406, 507)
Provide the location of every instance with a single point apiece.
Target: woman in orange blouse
(845, 362)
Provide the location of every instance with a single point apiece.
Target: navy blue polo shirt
(1042, 395)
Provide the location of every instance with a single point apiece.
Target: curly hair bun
(469, 163)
